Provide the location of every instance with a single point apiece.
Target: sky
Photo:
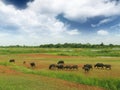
(36, 22)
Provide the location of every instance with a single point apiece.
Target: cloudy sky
(35, 22)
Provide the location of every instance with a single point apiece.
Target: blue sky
(35, 22)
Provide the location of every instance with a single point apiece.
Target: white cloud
(76, 10)
(73, 32)
(102, 32)
(104, 21)
(32, 25)
(38, 24)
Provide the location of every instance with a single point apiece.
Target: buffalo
(32, 64)
(99, 65)
(71, 67)
(67, 67)
(52, 66)
(87, 67)
(60, 66)
(107, 66)
(60, 62)
(12, 60)
(74, 67)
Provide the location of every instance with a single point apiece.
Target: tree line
(66, 45)
(77, 45)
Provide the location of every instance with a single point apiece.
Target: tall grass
(110, 84)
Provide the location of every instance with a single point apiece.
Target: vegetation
(78, 45)
(30, 82)
(108, 83)
(67, 45)
(108, 79)
(112, 52)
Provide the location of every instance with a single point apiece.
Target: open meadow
(21, 76)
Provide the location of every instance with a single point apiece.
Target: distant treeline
(77, 45)
(67, 45)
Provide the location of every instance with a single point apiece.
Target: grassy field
(114, 52)
(34, 79)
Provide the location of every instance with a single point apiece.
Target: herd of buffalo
(60, 65)
(86, 67)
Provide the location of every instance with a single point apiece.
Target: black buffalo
(88, 65)
(86, 68)
(107, 66)
(52, 66)
(12, 60)
(67, 67)
(60, 62)
(71, 67)
(74, 67)
(60, 66)
(99, 65)
(32, 64)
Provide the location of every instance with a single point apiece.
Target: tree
(102, 44)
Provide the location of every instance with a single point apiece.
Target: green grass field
(114, 52)
(43, 57)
